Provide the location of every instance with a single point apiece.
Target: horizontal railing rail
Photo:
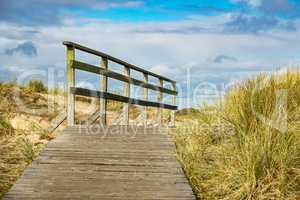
(120, 98)
(116, 60)
(97, 70)
(103, 95)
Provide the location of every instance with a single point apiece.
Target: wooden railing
(104, 95)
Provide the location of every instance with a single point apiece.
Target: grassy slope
(229, 153)
(22, 133)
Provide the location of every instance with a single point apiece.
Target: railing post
(103, 88)
(172, 120)
(126, 94)
(70, 83)
(145, 94)
(159, 99)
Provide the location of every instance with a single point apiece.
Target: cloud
(253, 3)
(17, 32)
(18, 35)
(242, 24)
(29, 12)
(167, 53)
(224, 58)
(275, 7)
(7, 75)
(278, 8)
(206, 8)
(27, 49)
(192, 26)
(175, 30)
(50, 12)
(118, 4)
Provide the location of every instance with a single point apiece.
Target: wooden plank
(160, 99)
(93, 117)
(56, 122)
(145, 94)
(70, 83)
(103, 86)
(94, 69)
(72, 167)
(110, 96)
(116, 60)
(126, 94)
(172, 116)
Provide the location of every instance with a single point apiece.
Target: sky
(206, 46)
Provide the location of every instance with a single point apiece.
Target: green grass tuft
(36, 86)
(5, 126)
(27, 148)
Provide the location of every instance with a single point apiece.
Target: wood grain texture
(70, 83)
(159, 100)
(103, 86)
(126, 94)
(94, 162)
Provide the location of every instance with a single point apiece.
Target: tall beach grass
(248, 147)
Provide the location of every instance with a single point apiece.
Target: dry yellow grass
(249, 147)
(22, 132)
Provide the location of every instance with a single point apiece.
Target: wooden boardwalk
(115, 163)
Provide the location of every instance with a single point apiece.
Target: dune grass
(18, 147)
(36, 86)
(248, 147)
(5, 126)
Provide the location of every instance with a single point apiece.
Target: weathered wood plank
(77, 165)
(103, 86)
(172, 116)
(145, 94)
(116, 60)
(70, 84)
(104, 72)
(56, 122)
(126, 94)
(160, 99)
(115, 97)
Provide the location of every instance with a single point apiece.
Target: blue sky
(159, 10)
(200, 43)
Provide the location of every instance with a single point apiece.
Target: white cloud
(167, 52)
(125, 4)
(163, 48)
(254, 3)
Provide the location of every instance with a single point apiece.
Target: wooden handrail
(116, 60)
(120, 98)
(103, 95)
(97, 70)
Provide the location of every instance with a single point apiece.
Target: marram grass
(249, 146)
(16, 149)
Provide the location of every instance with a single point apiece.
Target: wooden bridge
(102, 161)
